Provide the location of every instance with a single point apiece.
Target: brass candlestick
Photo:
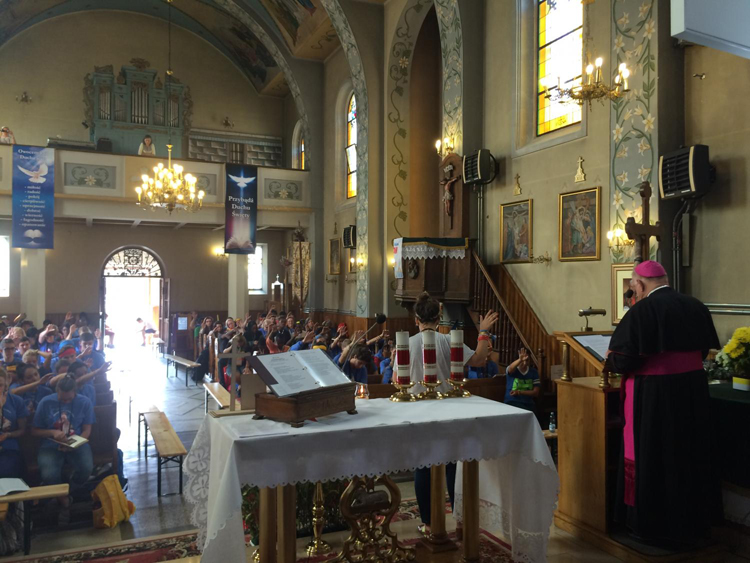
(403, 395)
(458, 388)
(431, 394)
(317, 546)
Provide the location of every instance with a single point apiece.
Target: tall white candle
(457, 355)
(429, 356)
(403, 361)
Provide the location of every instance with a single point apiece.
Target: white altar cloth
(518, 481)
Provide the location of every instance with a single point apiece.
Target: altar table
(518, 482)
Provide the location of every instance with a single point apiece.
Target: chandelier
(593, 87)
(169, 188)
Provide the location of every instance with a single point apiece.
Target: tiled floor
(139, 376)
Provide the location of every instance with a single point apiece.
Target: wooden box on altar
(296, 409)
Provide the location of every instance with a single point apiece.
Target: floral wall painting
(579, 226)
(621, 276)
(516, 232)
(634, 123)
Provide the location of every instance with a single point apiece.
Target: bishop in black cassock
(666, 494)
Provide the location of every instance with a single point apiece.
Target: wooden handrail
(505, 309)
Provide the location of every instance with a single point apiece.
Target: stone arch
(133, 261)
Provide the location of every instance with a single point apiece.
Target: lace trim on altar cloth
(197, 467)
(426, 251)
(526, 547)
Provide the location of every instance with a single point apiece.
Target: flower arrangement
(735, 357)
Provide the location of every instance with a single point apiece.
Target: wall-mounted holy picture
(621, 303)
(578, 235)
(516, 231)
(334, 256)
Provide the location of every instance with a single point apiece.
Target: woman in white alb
(427, 313)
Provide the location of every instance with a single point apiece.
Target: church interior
(207, 187)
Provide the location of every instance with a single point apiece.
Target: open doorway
(133, 287)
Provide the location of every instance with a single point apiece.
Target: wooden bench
(167, 443)
(27, 497)
(142, 420)
(157, 345)
(178, 361)
(219, 394)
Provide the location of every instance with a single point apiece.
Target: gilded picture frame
(579, 225)
(516, 232)
(621, 276)
(334, 256)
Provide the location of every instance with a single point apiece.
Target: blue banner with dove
(33, 197)
(241, 209)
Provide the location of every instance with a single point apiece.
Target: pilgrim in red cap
(650, 269)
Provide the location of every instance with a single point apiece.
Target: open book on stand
(304, 384)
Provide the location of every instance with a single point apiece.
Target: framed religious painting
(516, 232)
(579, 236)
(334, 257)
(621, 276)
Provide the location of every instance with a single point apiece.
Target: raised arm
(483, 346)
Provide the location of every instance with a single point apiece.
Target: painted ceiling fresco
(202, 17)
(305, 27)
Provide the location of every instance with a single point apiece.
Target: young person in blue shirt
(88, 355)
(30, 387)
(355, 368)
(78, 370)
(522, 383)
(58, 417)
(387, 366)
(10, 359)
(489, 369)
(48, 339)
(24, 345)
(12, 425)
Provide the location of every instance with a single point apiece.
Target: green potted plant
(735, 356)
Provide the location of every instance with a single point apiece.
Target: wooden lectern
(589, 441)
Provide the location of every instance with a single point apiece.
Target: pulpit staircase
(518, 326)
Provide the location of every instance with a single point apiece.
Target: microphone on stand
(380, 318)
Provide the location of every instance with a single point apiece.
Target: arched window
(351, 148)
(298, 147)
(133, 262)
(559, 60)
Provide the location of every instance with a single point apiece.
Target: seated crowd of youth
(357, 357)
(48, 389)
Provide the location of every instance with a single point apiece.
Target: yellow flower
(742, 334)
(730, 347)
(737, 352)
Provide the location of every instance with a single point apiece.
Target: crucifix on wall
(643, 231)
(448, 196)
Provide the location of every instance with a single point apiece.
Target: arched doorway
(134, 285)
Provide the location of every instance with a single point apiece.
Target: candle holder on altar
(317, 545)
(431, 394)
(362, 392)
(403, 395)
(458, 388)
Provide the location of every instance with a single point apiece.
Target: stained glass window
(134, 263)
(560, 60)
(256, 270)
(302, 153)
(351, 148)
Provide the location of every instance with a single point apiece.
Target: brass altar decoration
(431, 394)
(369, 513)
(317, 545)
(403, 395)
(458, 389)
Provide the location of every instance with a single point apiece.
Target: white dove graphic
(241, 181)
(37, 176)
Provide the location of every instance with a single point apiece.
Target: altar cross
(643, 231)
(235, 356)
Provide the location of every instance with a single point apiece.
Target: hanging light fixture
(169, 188)
(592, 87)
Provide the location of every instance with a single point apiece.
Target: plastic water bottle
(552, 422)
